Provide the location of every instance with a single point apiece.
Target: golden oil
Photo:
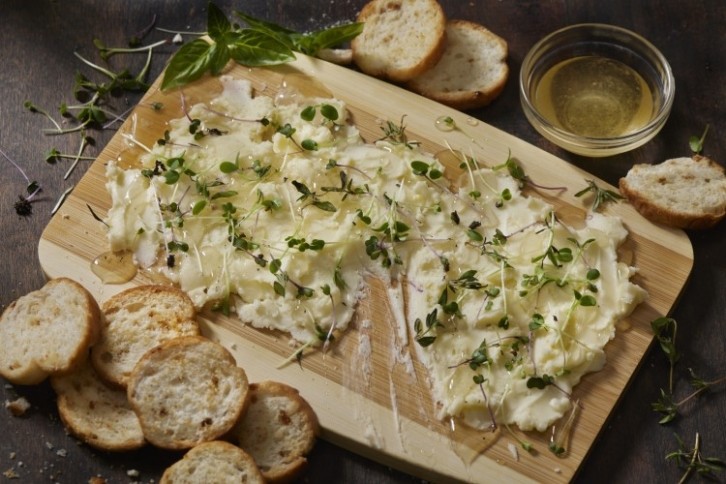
(594, 96)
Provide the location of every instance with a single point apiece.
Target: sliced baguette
(400, 39)
(472, 71)
(136, 320)
(278, 430)
(686, 193)
(215, 462)
(186, 391)
(47, 332)
(96, 413)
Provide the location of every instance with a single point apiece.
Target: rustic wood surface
(36, 46)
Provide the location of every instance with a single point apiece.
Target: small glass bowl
(605, 41)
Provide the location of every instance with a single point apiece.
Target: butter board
(371, 404)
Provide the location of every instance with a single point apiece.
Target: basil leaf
(263, 25)
(217, 23)
(312, 43)
(187, 64)
(253, 48)
(218, 57)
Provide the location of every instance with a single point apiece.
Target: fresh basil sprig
(260, 44)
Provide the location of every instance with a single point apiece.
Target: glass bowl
(595, 89)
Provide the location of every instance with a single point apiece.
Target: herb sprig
(260, 44)
(601, 196)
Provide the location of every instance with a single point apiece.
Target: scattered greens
(692, 461)
(601, 196)
(696, 143)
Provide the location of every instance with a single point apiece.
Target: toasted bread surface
(686, 193)
(136, 320)
(47, 332)
(96, 413)
(186, 391)
(216, 462)
(400, 38)
(278, 430)
(472, 71)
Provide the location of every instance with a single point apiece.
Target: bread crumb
(96, 480)
(132, 473)
(11, 474)
(18, 407)
(61, 452)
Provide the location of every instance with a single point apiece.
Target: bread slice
(96, 413)
(472, 71)
(279, 429)
(186, 391)
(400, 38)
(136, 320)
(47, 332)
(687, 193)
(215, 462)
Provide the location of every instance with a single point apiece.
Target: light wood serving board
(384, 412)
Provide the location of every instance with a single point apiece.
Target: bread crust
(31, 347)
(216, 462)
(472, 71)
(278, 430)
(673, 193)
(186, 391)
(136, 320)
(96, 413)
(400, 39)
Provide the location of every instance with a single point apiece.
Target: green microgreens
(479, 380)
(23, 206)
(665, 330)
(696, 143)
(327, 111)
(560, 436)
(396, 134)
(346, 187)
(314, 200)
(693, 461)
(426, 336)
(601, 196)
(283, 279)
(516, 171)
(260, 44)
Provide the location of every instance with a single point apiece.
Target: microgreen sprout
(693, 461)
(560, 436)
(696, 143)
(601, 196)
(23, 206)
(396, 134)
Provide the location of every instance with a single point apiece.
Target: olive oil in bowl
(595, 97)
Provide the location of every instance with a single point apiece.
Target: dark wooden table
(37, 41)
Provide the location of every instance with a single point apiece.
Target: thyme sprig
(600, 196)
(693, 461)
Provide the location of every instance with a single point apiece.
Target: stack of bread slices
(411, 42)
(136, 371)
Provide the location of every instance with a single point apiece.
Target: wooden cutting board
(370, 404)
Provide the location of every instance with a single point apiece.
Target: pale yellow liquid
(594, 96)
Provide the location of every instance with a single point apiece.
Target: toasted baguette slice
(96, 413)
(472, 71)
(186, 391)
(400, 38)
(47, 332)
(279, 429)
(215, 462)
(687, 193)
(136, 320)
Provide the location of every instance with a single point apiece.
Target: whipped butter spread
(277, 210)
